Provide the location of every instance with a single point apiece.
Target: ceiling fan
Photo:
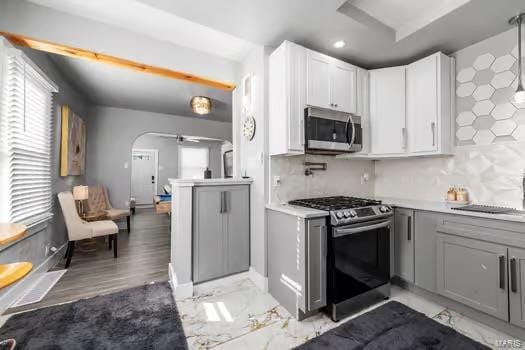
(181, 139)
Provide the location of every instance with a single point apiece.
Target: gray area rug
(392, 326)
(145, 317)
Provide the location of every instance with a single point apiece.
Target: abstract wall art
(73, 145)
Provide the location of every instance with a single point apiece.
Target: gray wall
(168, 148)
(32, 248)
(112, 132)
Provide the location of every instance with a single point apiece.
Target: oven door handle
(351, 231)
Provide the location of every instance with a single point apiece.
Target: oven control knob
(353, 213)
(339, 215)
(346, 213)
(384, 209)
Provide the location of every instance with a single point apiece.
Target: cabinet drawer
(473, 273)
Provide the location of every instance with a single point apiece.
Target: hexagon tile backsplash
(484, 91)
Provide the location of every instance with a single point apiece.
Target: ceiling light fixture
(200, 105)
(339, 44)
(519, 96)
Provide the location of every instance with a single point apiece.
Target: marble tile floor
(238, 315)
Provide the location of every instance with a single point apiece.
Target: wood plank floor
(143, 258)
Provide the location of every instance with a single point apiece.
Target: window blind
(26, 133)
(192, 162)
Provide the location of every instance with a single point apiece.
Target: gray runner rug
(144, 317)
(392, 326)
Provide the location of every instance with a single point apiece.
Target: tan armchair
(78, 229)
(98, 201)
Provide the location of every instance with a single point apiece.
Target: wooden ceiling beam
(64, 50)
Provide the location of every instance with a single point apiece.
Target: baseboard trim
(189, 289)
(259, 280)
(206, 286)
(180, 291)
(23, 286)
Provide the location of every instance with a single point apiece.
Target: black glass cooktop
(334, 203)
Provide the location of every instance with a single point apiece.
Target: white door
(344, 87)
(144, 175)
(318, 69)
(387, 111)
(422, 104)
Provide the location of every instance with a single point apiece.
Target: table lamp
(80, 194)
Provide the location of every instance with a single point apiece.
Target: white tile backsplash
(342, 177)
(491, 173)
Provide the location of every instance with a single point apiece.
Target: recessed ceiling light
(339, 44)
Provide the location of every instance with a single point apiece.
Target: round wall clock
(248, 128)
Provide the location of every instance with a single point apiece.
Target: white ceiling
(396, 32)
(407, 16)
(318, 24)
(155, 23)
(123, 88)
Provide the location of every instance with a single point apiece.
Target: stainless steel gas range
(358, 259)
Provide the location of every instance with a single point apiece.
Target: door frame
(156, 154)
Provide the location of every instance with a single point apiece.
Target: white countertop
(444, 207)
(294, 210)
(435, 206)
(210, 182)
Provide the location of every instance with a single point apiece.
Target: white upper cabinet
(287, 99)
(298, 78)
(343, 87)
(318, 92)
(429, 107)
(331, 84)
(411, 108)
(387, 111)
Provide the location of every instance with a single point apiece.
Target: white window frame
(8, 154)
(180, 165)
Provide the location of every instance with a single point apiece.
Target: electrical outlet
(365, 177)
(276, 181)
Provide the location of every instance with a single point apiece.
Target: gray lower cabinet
(221, 231)
(297, 262)
(404, 244)
(425, 227)
(473, 273)
(517, 286)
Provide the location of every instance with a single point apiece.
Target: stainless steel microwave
(331, 132)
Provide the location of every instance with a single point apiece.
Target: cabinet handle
(405, 138)
(409, 231)
(222, 203)
(226, 203)
(502, 272)
(433, 127)
(513, 276)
